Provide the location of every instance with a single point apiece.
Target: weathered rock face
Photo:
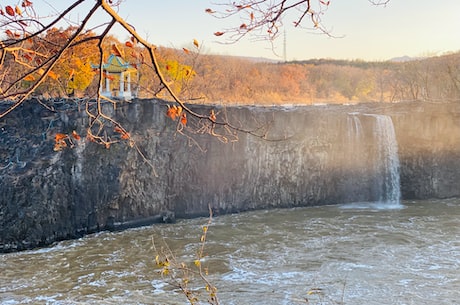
(312, 156)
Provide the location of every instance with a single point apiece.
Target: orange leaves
(212, 115)
(130, 43)
(218, 33)
(18, 11)
(124, 134)
(75, 135)
(108, 76)
(14, 11)
(175, 112)
(29, 78)
(52, 75)
(183, 119)
(61, 140)
(195, 43)
(186, 51)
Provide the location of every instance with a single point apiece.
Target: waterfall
(373, 160)
(387, 164)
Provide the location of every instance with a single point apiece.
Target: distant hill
(404, 58)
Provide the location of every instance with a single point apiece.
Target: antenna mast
(284, 47)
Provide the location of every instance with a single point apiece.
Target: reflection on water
(358, 254)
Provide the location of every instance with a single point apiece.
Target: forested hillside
(201, 78)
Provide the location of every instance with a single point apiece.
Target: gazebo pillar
(129, 84)
(107, 83)
(122, 84)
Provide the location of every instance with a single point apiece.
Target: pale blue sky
(403, 27)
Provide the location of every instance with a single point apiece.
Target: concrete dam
(309, 155)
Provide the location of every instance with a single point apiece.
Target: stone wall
(308, 158)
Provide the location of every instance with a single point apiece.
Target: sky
(362, 31)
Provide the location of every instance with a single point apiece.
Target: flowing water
(352, 254)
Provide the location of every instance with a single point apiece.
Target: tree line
(202, 78)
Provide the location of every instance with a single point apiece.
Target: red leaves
(10, 11)
(9, 34)
(219, 33)
(129, 44)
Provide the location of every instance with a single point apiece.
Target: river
(344, 254)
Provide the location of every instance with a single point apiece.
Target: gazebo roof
(116, 64)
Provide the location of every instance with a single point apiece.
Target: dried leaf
(243, 26)
(26, 3)
(187, 51)
(219, 33)
(129, 44)
(18, 11)
(9, 34)
(212, 115)
(27, 56)
(195, 42)
(209, 11)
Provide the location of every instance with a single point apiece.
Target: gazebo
(117, 67)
